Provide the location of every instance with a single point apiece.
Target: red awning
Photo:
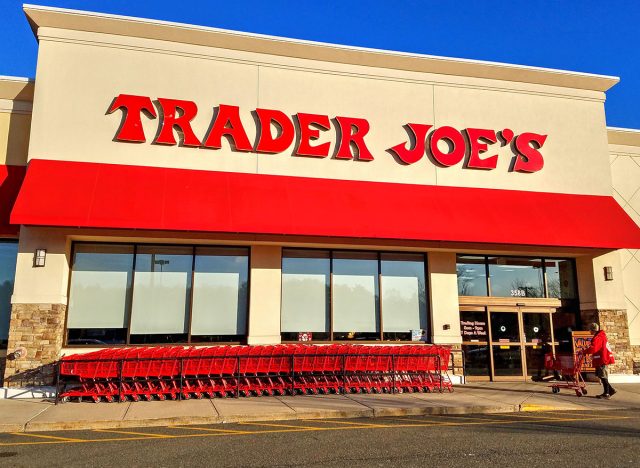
(10, 179)
(57, 193)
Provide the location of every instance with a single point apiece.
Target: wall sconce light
(40, 257)
(446, 326)
(608, 273)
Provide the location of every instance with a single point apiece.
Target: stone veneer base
(39, 328)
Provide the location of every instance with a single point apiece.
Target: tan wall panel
(443, 297)
(41, 285)
(77, 83)
(625, 181)
(387, 105)
(575, 152)
(14, 138)
(264, 298)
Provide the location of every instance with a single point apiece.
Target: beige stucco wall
(443, 298)
(15, 123)
(42, 285)
(625, 171)
(80, 73)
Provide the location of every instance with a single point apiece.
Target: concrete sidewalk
(41, 415)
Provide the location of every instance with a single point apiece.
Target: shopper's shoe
(604, 396)
(612, 392)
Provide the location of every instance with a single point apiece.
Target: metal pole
(344, 374)
(58, 365)
(238, 376)
(121, 365)
(440, 372)
(393, 373)
(181, 367)
(293, 375)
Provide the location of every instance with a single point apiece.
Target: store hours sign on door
(473, 330)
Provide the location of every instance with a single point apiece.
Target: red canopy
(62, 193)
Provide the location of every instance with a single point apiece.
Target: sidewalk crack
(126, 411)
(24, 426)
(286, 404)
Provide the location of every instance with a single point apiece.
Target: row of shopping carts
(121, 374)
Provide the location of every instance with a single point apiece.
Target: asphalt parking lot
(604, 438)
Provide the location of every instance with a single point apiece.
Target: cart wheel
(64, 399)
(584, 391)
(555, 390)
(578, 393)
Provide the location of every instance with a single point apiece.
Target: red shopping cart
(569, 366)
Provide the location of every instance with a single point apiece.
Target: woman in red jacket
(602, 357)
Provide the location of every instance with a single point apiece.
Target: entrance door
(506, 343)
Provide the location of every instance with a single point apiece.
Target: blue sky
(580, 35)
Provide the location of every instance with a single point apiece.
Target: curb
(282, 416)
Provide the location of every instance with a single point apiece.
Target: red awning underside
(10, 179)
(57, 193)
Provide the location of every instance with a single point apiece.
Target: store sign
(444, 146)
(473, 330)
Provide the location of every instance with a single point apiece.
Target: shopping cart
(569, 366)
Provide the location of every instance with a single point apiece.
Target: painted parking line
(333, 421)
(43, 436)
(284, 428)
(143, 434)
(278, 425)
(208, 429)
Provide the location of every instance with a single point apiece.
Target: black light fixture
(608, 273)
(40, 258)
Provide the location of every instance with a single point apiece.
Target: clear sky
(591, 36)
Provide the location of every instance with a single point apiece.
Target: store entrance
(506, 343)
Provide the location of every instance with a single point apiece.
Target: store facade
(193, 186)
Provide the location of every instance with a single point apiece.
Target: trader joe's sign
(276, 131)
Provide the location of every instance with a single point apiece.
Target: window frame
(188, 341)
(378, 254)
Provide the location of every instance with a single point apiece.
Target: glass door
(506, 344)
(538, 340)
(474, 329)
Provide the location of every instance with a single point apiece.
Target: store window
(8, 255)
(146, 294)
(340, 295)
(160, 309)
(220, 294)
(356, 297)
(561, 278)
(306, 277)
(472, 275)
(517, 277)
(99, 304)
(404, 299)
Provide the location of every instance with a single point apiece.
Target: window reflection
(161, 295)
(306, 277)
(516, 277)
(472, 276)
(99, 294)
(403, 295)
(220, 281)
(560, 279)
(8, 255)
(355, 297)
